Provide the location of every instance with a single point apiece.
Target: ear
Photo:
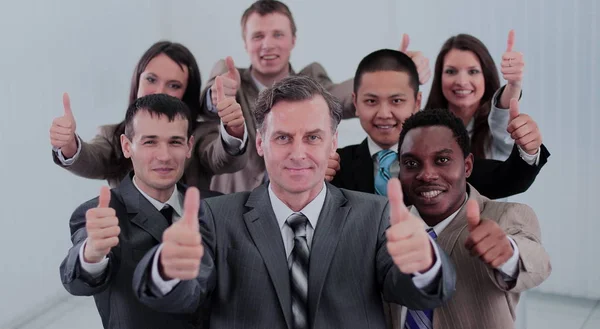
(126, 146)
(354, 103)
(259, 143)
(334, 144)
(469, 165)
(191, 141)
(293, 42)
(418, 102)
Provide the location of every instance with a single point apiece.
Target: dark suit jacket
(142, 227)
(244, 276)
(492, 178)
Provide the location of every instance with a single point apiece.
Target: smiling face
(269, 41)
(463, 83)
(433, 172)
(296, 142)
(383, 101)
(158, 149)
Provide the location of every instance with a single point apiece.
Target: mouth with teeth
(429, 195)
(386, 127)
(268, 57)
(462, 92)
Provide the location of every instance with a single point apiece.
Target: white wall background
(90, 48)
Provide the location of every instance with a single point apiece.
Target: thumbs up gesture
(420, 60)
(182, 242)
(62, 131)
(512, 65)
(231, 81)
(486, 238)
(523, 129)
(229, 111)
(102, 226)
(407, 241)
(333, 166)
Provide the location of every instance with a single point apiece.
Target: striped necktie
(422, 319)
(299, 271)
(385, 158)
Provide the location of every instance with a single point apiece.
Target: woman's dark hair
(183, 57)
(481, 138)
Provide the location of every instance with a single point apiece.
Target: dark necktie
(299, 271)
(167, 211)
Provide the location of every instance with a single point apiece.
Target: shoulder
(313, 69)
(107, 131)
(510, 211)
(227, 201)
(367, 202)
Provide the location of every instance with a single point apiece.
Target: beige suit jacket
(483, 299)
(96, 158)
(252, 175)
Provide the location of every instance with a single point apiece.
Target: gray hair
(295, 88)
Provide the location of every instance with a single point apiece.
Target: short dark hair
(295, 88)
(387, 60)
(437, 117)
(158, 104)
(265, 7)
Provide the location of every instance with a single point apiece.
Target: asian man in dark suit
(296, 252)
(112, 232)
(386, 92)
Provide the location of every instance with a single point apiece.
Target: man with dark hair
(269, 34)
(111, 233)
(435, 163)
(296, 253)
(386, 92)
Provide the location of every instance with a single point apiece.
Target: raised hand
(229, 111)
(420, 60)
(62, 131)
(102, 227)
(333, 166)
(182, 242)
(513, 64)
(523, 129)
(231, 81)
(407, 241)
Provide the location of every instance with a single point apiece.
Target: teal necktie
(385, 158)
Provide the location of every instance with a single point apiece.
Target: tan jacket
(482, 298)
(252, 175)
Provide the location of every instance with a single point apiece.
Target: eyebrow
(314, 131)
(390, 96)
(440, 152)
(172, 80)
(470, 67)
(156, 137)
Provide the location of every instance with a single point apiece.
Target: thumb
(473, 215)
(405, 42)
(220, 90)
(513, 109)
(104, 198)
(231, 70)
(191, 205)
(511, 41)
(67, 105)
(398, 211)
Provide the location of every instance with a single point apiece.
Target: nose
(267, 42)
(160, 88)
(428, 174)
(462, 78)
(385, 111)
(162, 152)
(298, 151)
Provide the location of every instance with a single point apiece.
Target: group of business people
(397, 232)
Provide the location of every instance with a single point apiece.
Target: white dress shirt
(312, 211)
(175, 201)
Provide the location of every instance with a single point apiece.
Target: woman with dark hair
(165, 68)
(466, 82)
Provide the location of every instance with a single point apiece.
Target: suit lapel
(447, 239)
(326, 237)
(264, 230)
(363, 167)
(141, 212)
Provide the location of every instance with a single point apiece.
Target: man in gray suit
(296, 253)
(112, 233)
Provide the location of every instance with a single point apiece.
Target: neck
(269, 80)
(464, 113)
(162, 195)
(297, 201)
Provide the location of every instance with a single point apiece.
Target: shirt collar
(374, 148)
(443, 224)
(312, 210)
(174, 201)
